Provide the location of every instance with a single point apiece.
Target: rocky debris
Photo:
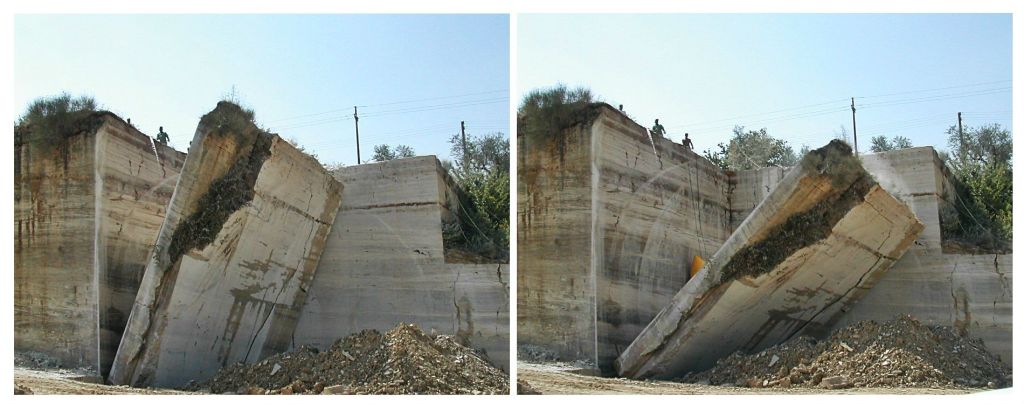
(35, 360)
(19, 389)
(537, 354)
(41, 361)
(524, 388)
(404, 360)
(898, 353)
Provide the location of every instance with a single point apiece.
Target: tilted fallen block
(817, 242)
(233, 260)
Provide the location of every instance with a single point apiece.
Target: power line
(934, 89)
(775, 119)
(701, 123)
(424, 108)
(940, 97)
(439, 106)
(909, 126)
(884, 124)
(435, 98)
(382, 104)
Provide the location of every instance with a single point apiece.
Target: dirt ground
(558, 378)
(40, 381)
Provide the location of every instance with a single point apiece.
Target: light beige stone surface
(86, 218)
(971, 292)
(580, 273)
(238, 298)
(556, 298)
(384, 263)
(609, 222)
(655, 209)
(56, 295)
(712, 317)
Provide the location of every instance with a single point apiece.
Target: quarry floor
(60, 381)
(561, 378)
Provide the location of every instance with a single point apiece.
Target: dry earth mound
(898, 353)
(404, 360)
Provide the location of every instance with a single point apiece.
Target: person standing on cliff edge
(162, 136)
(687, 142)
(657, 129)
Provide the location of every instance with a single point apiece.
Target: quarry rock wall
(56, 297)
(655, 208)
(556, 284)
(384, 263)
(123, 269)
(237, 298)
(574, 189)
(748, 188)
(87, 214)
(972, 292)
(644, 208)
(808, 252)
(138, 178)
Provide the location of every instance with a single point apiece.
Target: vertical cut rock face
(233, 260)
(608, 223)
(385, 263)
(657, 205)
(811, 248)
(87, 208)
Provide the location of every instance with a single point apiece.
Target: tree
(804, 149)
(481, 171)
(545, 112)
(987, 144)
(383, 152)
(49, 120)
(841, 134)
(982, 167)
(488, 153)
(752, 150)
(881, 143)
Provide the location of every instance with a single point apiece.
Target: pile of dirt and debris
(534, 353)
(20, 389)
(524, 388)
(402, 361)
(898, 353)
(35, 360)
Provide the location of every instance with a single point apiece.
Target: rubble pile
(20, 389)
(404, 360)
(524, 388)
(898, 353)
(35, 360)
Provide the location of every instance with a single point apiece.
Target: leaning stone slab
(817, 243)
(234, 258)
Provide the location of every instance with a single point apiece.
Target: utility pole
(960, 129)
(355, 115)
(853, 107)
(465, 156)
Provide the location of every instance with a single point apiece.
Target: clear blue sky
(170, 70)
(703, 74)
